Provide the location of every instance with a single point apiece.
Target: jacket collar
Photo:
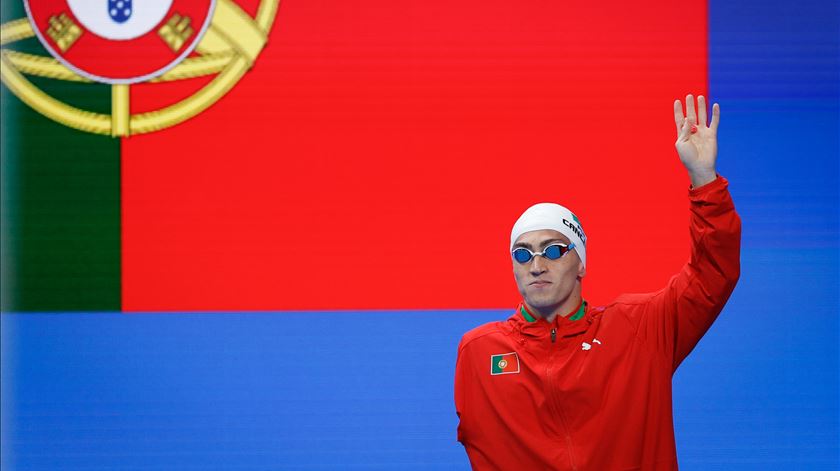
(563, 326)
(575, 314)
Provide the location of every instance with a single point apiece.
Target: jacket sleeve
(461, 381)
(676, 317)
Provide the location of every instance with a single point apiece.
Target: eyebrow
(543, 244)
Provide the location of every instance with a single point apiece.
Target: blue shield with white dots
(120, 20)
(119, 10)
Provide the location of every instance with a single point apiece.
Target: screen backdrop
(357, 189)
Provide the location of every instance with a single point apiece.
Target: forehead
(540, 238)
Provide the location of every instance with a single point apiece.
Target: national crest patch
(504, 363)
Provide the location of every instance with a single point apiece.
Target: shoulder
(477, 334)
(633, 300)
(482, 334)
(629, 306)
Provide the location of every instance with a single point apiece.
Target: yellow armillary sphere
(122, 43)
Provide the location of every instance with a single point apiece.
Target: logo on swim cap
(576, 228)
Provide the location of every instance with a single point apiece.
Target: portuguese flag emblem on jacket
(504, 364)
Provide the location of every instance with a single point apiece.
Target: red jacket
(595, 393)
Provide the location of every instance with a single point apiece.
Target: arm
(675, 318)
(699, 292)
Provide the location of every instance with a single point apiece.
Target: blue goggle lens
(553, 252)
(521, 255)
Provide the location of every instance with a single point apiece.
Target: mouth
(539, 283)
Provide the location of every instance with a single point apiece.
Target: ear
(581, 270)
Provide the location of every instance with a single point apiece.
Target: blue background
(373, 390)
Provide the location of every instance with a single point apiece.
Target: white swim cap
(551, 216)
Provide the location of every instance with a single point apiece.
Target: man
(565, 386)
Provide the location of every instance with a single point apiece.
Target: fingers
(678, 115)
(715, 117)
(688, 124)
(689, 109)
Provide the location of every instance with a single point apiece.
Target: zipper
(568, 440)
(556, 406)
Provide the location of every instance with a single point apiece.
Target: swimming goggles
(552, 252)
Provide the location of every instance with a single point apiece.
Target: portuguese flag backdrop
(362, 179)
(374, 157)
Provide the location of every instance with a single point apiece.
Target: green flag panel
(60, 201)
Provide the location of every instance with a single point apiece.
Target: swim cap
(551, 216)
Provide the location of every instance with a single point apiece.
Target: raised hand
(696, 142)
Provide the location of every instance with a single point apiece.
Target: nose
(537, 267)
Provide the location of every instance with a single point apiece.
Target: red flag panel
(378, 153)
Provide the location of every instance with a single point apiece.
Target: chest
(584, 372)
(580, 363)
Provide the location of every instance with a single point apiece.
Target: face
(547, 285)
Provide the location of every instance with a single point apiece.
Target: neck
(566, 308)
